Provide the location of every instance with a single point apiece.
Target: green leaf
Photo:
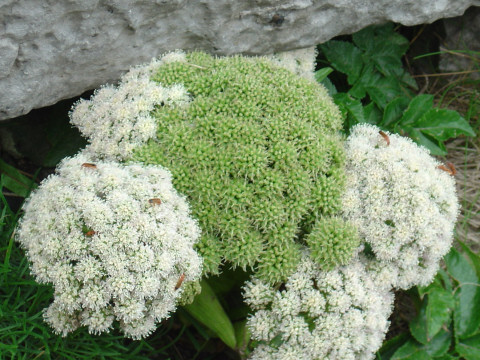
(411, 350)
(376, 39)
(467, 296)
(439, 344)
(351, 108)
(418, 325)
(242, 335)
(433, 286)
(443, 124)
(322, 74)
(207, 309)
(439, 310)
(418, 106)
(389, 347)
(15, 181)
(474, 258)
(372, 114)
(435, 147)
(469, 348)
(393, 112)
(344, 57)
(332, 90)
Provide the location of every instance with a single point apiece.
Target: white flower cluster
(403, 205)
(301, 62)
(340, 314)
(118, 119)
(115, 241)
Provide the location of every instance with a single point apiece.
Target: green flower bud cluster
(332, 242)
(257, 152)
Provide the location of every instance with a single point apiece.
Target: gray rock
(463, 33)
(52, 50)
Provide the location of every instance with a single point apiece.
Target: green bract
(258, 154)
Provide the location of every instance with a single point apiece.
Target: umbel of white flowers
(115, 241)
(338, 314)
(402, 202)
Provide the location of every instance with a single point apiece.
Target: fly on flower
(180, 281)
(89, 165)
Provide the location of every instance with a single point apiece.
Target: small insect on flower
(90, 233)
(180, 281)
(450, 169)
(385, 136)
(89, 165)
(155, 201)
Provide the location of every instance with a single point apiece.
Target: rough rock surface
(51, 50)
(462, 34)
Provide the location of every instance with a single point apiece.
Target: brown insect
(180, 281)
(450, 168)
(277, 19)
(89, 165)
(90, 233)
(155, 201)
(385, 136)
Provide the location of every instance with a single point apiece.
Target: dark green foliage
(258, 154)
(447, 324)
(380, 91)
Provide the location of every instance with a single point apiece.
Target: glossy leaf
(416, 109)
(418, 325)
(469, 348)
(439, 311)
(439, 344)
(394, 112)
(435, 147)
(207, 309)
(443, 124)
(411, 350)
(467, 296)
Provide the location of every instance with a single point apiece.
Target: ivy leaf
(467, 296)
(469, 348)
(344, 57)
(207, 309)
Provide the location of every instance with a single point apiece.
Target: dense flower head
(301, 61)
(339, 315)
(258, 154)
(402, 203)
(114, 240)
(118, 119)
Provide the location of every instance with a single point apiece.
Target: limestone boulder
(52, 50)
